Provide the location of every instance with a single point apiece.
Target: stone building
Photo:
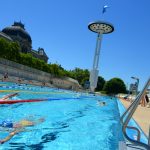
(17, 33)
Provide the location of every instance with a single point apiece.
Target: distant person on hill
(43, 84)
(7, 97)
(5, 76)
(17, 127)
(30, 82)
(19, 80)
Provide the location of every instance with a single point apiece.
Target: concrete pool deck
(141, 116)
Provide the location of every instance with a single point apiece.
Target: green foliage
(100, 83)
(14, 51)
(103, 92)
(114, 86)
(55, 69)
(26, 59)
(9, 50)
(81, 75)
(4, 46)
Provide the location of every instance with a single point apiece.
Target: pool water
(74, 123)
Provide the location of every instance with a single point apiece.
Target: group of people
(145, 99)
(17, 127)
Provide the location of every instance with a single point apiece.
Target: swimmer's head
(7, 124)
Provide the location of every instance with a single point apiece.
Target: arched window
(41, 51)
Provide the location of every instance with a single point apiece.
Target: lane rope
(33, 100)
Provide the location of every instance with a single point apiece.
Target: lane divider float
(33, 100)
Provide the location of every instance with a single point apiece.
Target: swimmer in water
(17, 127)
(101, 103)
(7, 97)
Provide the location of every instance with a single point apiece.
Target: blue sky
(60, 27)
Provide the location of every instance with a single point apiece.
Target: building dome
(17, 29)
(17, 33)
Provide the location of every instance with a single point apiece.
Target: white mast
(100, 28)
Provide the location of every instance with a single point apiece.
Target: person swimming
(17, 127)
(7, 97)
(101, 103)
(23, 123)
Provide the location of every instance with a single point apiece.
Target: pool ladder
(125, 118)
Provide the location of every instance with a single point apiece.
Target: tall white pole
(100, 28)
(94, 72)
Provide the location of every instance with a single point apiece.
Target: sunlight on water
(72, 121)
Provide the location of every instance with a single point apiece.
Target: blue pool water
(72, 122)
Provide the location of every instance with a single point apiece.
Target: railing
(128, 115)
(138, 132)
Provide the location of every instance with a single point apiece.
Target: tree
(4, 46)
(9, 50)
(100, 83)
(81, 75)
(55, 69)
(14, 49)
(114, 86)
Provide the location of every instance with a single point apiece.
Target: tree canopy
(9, 50)
(114, 86)
(100, 83)
(81, 75)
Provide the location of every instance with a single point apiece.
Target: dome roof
(17, 29)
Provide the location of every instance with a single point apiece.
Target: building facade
(17, 33)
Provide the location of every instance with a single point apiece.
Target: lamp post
(100, 28)
(137, 84)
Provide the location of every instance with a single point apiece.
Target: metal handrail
(128, 109)
(124, 114)
(136, 129)
(130, 112)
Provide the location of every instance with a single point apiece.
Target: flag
(104, 8)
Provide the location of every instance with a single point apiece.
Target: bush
(114, 86)
(9, 50)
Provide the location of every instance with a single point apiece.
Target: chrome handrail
(138, 131)
(124, 114)
(128, 109)
(130, 112)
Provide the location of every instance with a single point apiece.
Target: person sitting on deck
(17, 127)
(8, 96)
(145, 100)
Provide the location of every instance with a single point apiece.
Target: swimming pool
(73, 121)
